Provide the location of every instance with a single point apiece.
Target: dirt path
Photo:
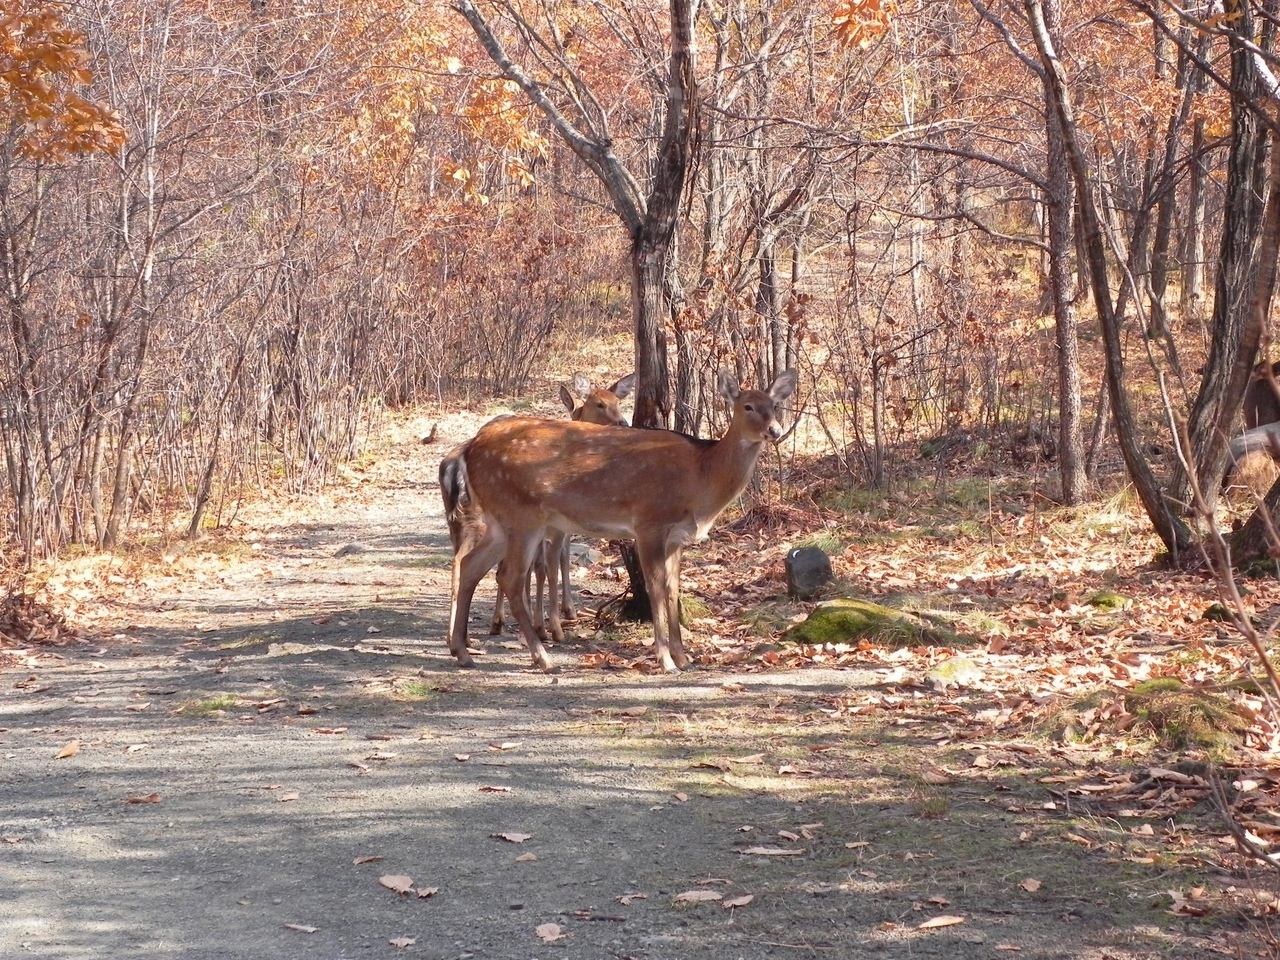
(296, 712)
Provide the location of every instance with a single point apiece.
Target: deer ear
(622, 389)
(581, 384)
(783, 386)
(567, 399)
(727, 384)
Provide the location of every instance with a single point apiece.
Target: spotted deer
(525, 477)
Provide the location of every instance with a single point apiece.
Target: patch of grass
(1182, 717)
(692, 608)
(427, 560)
(250, 640)
(825, 540)
(418, 690)
(217, 704)
(930, 804)
(765, 620)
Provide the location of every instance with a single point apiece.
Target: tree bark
(1171, 530)
(1236, 330)
(1060, 203)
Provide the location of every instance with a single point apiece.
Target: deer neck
(730, 463)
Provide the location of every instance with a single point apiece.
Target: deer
(525, 477)
(588, 404)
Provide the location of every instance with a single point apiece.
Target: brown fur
(664, 489)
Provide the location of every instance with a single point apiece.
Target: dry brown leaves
(26, 621)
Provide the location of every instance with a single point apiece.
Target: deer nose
(775, 430)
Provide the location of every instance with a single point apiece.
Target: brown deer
(526, 477)
(592, 404)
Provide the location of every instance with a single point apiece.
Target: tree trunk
(1060, 203)
(1192, 248)
(1236, 330)
(1172, 531)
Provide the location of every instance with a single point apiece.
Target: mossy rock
(851, 620)
(1218, 613)
(1108, 601)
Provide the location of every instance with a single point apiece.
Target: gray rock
(808, 571)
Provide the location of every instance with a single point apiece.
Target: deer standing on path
(599, 405)
(525, 477)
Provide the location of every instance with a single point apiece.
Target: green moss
(1108, 601)
(1186, 718)
(851, 620)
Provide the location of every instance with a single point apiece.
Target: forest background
(1022, 255)
(236, 233)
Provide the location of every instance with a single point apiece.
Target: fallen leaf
(682, 797)
(773, 852)
(943, 921)
(329, 730)
(403, 942)
(286, 797)
(70, 750)
(753, 758)
(462, 757)
(425, 892)
(300, 927)
(549, 932)
(696, 896)
(397, 882)
(490, 788)
(634, 711)
(789, 836)
(135, 747)
(149, 798)
(512, 837)
(360, 860)
(738, 901)
(380, 755)
(506, 745)
(936, 779)
(626, 898)
(1031, 885)
(526, 858)
(938, 900)
(1007, 948)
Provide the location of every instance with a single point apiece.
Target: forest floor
(257, 746)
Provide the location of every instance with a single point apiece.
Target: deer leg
(660, 562)
(555, 548)
(514, 572)
(540, 577)
(566, 608)
(469, 566)
(495, 625)
(672, 567)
